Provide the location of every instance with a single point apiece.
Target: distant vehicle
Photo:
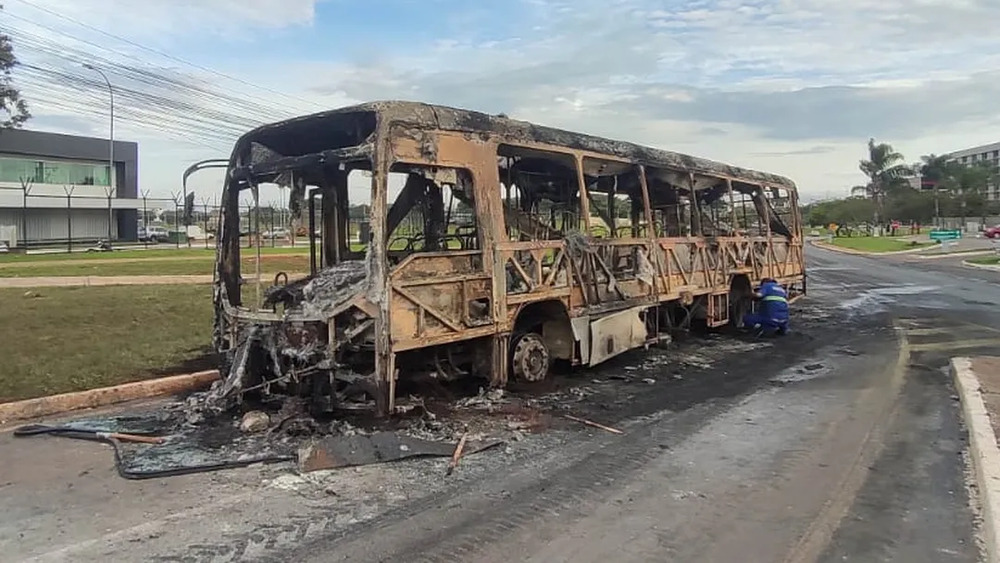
(197, 233)
(277, 233)
(153, 234)
(304, 232)
(3, 247)
(992, 232)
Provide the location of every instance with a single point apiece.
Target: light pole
(111, 142)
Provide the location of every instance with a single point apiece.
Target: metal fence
(66, 217)
(968, 224)
(76, 222)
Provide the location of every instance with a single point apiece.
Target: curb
(65, 402)
(958, 254)
(968, 264)
(835, 248)
(983, 451)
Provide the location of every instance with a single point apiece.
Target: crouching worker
(771, 314)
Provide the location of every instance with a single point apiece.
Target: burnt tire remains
(529, 357)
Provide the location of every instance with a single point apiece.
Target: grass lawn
(270, 264)
(878, 244)
(55, 340)
(986, 260)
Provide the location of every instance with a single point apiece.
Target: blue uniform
(772, 310)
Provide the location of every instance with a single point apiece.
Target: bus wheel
(529, 357)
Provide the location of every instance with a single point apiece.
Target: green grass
(878, 244)
(986, 260)
(56, 340)
(966, 251)
(270, 263)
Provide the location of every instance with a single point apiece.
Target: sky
(793, 87)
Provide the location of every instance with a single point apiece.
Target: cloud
(838, 112)
(818, 149)
(165, 22)
(791, 86)
(824, 113)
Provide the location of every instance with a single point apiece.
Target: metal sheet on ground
(347, 451)
(220, 445)
(186, 449)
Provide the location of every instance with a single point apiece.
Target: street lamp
(111, 143)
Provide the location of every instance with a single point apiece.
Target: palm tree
(886, 173)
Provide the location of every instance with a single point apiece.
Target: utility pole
(25, 189)
(145, 219)
(111, 144)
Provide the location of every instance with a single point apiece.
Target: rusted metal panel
(432, 265)
(423, 311)
(428, 341)
(379, 276)
(613, 334)
(718, 309)
(439, 117)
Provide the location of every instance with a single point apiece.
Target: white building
(54, 185)
(986, 153)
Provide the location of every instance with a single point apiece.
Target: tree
(886, 173)
(14, 109)
(847, 211)
(934, 168)
(969, 184)
(911, 206)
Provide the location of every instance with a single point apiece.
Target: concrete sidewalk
(88, 281)
(977, 380)
(968, 243)
(182, 255)
(94, 261)
(95, 281)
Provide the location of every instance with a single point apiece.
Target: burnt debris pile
(279, 355)
(323, 292)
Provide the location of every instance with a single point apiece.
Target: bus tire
(529, 357)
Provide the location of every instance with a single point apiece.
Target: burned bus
(451, 243)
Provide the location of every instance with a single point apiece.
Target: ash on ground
(280, 428)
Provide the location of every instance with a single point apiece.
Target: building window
(965, 159)
(17, 170)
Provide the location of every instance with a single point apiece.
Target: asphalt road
(856, 456)
(841, 441)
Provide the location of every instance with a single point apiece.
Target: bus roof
(445, 118)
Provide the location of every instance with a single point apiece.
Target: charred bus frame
(578, 248)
